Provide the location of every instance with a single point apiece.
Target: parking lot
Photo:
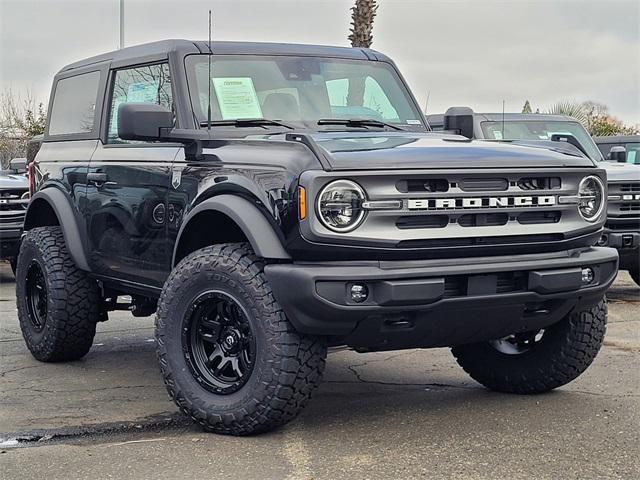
(407, 414)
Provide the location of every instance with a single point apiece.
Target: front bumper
(626, 242)
(439, 302)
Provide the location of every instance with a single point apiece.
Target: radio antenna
(503, 119)
(209, 81)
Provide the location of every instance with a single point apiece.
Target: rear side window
(74, 104)
(148, 84)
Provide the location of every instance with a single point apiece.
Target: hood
(10, 180)
(621, 172)
(391, 150)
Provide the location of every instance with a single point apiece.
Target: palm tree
(361, 36)
(362, 16)
(571, 109)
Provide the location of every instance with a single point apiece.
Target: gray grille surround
(388, 227)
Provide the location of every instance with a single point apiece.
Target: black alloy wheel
(36, 290)
(218, 343)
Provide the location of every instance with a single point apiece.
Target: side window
(74, 103)
(148, 84)
(357, 97)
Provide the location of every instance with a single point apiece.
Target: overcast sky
(473, 53)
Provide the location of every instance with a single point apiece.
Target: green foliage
(595, 117)
(570, 109)
(527, 107)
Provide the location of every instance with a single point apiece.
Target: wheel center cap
(230, 341)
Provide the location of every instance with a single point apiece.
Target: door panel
(127, 187)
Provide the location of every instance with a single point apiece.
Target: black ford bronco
(274, 200)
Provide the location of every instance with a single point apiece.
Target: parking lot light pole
(121, 24)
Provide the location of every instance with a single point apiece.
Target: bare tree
(21, 118)
(595, 117)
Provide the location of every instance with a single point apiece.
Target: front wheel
(229, 356)
(536, 362)
(635, 275)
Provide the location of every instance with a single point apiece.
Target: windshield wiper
(357, 122)
(247, 122)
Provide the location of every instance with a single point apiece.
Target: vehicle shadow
(6, 275)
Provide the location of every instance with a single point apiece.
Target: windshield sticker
(414, 122)
(497, 134)
(237, 98)
(143, 92)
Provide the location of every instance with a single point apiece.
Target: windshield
(540, 130)
(300, 91)
(633, 151)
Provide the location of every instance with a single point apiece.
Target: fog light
(603, 240)
(359, 292)
(587, 275)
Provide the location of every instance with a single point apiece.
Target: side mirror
(570, 139)
(459, 119)
(18, 165)
(618, 154)
(144, 121)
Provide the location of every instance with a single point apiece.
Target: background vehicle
(14, 198)
(622, 230)
(629, 144)
(305, 205)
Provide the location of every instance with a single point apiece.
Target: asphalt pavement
(406, 414)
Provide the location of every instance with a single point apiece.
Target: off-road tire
(73, 299)
(635, 275)
(288, 366)
(564, 352)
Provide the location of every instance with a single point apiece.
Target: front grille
(13, 200)
(536, 218)
(540, 183)
(483, 219)
(445, 209)
(483, 184)
(624, 200)
(431, 221)
(422, 185)
(503, 282)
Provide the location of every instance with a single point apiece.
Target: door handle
(99, 179)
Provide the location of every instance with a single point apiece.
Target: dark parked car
(14, 198)
(273, 200)
(622, 230)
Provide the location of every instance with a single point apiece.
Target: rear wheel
(229, 356)
(536, 362)
(58, 304)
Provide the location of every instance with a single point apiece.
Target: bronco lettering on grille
(480, 202)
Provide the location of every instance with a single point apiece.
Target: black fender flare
(61, 205)
(253, 223)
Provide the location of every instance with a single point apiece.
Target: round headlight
(340, 206)
(591, 198)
